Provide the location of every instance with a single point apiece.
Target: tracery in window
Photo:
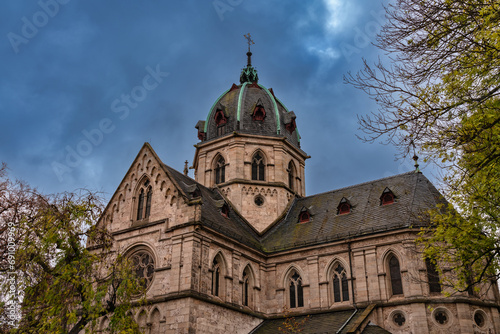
(296, 293)
(340, 284)
(395, 275)
(143, 266)
(220, 170)
(258, 167)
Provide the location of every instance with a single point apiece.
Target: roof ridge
(361, 184)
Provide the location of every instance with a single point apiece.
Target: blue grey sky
(68, 67)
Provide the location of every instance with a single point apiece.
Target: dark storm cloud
(59, 86)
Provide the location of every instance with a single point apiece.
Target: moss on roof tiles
(325, 323)
(414, 194)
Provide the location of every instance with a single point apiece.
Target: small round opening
(441, 317)
(479, 319)
(259, 200)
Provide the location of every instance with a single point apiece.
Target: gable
(147, 172)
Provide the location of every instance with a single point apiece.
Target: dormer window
(304, 216)
(344, 207)
(259, 113)
(291, 126)
(289, 120)
(224, 210)
(200, 126)
(220, 118)
(196, 193)
(387, 197)
(193, 191)
(220, 121)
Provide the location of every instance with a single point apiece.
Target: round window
(441, 317)
(259, 200)
(399, 319)
(143, 266)
(479, 318)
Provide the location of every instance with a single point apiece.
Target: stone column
(313, 273)
(236, 289)
(464, 318)
(418, 318)
(372, 274)
(176, 263)
(359, 274)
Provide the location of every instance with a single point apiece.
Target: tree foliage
(440, 95)
(60, 268)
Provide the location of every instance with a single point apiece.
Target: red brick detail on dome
(233, 87)
(259, 113)
(201, 135)
(220, 118)
(291, 126)
(272, 93)
(255, 85)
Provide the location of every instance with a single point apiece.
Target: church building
(241, 248)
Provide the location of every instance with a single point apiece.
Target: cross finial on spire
(415, 158)
(249, 40)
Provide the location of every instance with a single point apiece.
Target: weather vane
(250, 41)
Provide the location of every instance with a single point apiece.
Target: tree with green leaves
(59, 271)
(440, 97)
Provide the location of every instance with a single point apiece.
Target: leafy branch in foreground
(441, 95)
(61, 285)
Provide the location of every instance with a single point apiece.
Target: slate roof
(324, 323)
(238, 104)
(233, 226)
(414, 193)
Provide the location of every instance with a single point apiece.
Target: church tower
(250, 149)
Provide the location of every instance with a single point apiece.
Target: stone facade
(225, 263)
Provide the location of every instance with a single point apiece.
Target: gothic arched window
(217, 276)
(340, 284)
(220, 171)
(296, 292)
(395, 275)
(140, 205)
(291, 175)
(144, 200)
(258, 167)
(246, 289)
(432, 277)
